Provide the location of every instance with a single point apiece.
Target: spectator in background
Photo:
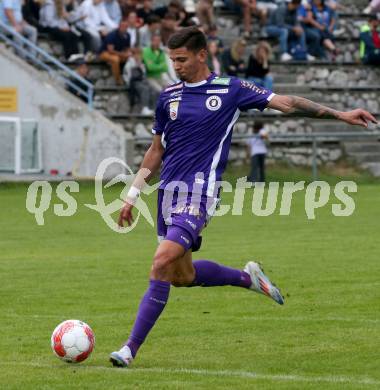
(134, 75)
(151, 27)
(127, 6)
(82, 69)
(258, 66)
(283, 24)
(31, 12)
(370, 41)
(133, 29)
(313, 35)
(232, 59)
(154, 59)
(146, 11)
(247, 8)
(113, 10)
(212, 35)
(96, 21)
(213, 60)
(176, 9)
(205, 13)
(11, 15)
(169, 26)
(257, 151)
(115, 50)
(323, 19)
(373, 7)
(53, 17)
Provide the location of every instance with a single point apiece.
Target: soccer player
(192, 136)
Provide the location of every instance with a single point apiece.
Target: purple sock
(209, 274)
(150, 309)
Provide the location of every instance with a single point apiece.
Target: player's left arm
(301, 107)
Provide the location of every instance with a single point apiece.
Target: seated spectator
(169, 25)
(134, 75)
(113, 10)
(258, 66)
(154, 59)
(152, 26)
(146, 11)
(11, 15)
(212, 35)
(373, 7)
(324, 21)
(232, 59)
(74, 18)
(115, 50)
(214, 59)
(127, 6)
(96, 20)
(283, 24)
(313, 34)
(247, 8)
(370, 41)
(53, 19)
(205, 13)
(133, 28)
(31, 12)
(175, 8)
(82, 69)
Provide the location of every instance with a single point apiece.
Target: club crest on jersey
(213, 103)
(173, 110)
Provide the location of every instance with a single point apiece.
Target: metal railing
(41, 58)
(311, 138)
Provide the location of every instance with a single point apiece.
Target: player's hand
(126, 214)
(358, 117)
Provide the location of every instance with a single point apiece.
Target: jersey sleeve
(160, 118)
(250, 96)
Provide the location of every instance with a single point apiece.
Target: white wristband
(133, 194)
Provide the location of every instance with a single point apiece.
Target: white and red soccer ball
(73, 341)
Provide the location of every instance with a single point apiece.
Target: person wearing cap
(370, 41)
(82, 69)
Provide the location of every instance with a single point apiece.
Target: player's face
(186, 63)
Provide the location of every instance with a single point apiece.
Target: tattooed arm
(301, 107)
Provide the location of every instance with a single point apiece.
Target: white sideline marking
(202, 372)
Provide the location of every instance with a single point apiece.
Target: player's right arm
(149, 167)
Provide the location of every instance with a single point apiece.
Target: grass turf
(326, 336)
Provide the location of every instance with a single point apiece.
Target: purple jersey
(195, 121)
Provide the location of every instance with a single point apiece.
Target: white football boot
(261, 283)
(122, 358)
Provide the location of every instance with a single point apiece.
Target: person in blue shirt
(191, 140)
(11, 15)
(115, 50)
(322, 18)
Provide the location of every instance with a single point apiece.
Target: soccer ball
(73, 341)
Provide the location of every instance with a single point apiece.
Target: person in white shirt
(257, 151)
(96, 20)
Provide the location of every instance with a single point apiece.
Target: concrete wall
(63, 120)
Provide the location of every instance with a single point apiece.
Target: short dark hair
(257, 126)
(151, 19)
(190, 37)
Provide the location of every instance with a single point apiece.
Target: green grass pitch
(326, 336)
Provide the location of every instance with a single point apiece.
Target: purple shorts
(181, 217)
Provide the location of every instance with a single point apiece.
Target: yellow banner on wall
(8, 100)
